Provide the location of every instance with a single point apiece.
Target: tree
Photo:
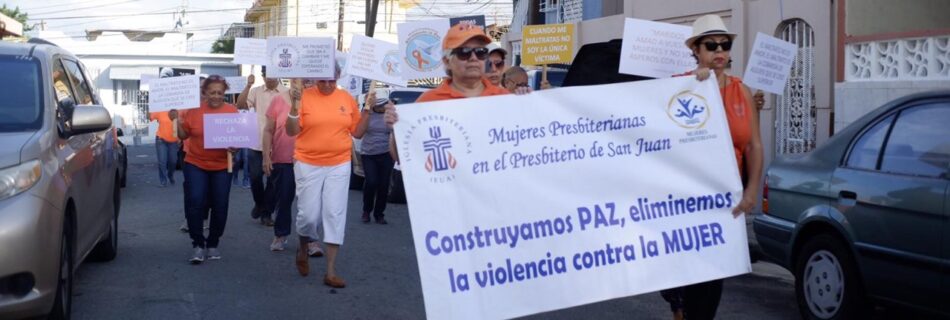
(223, 46)
(17, 15)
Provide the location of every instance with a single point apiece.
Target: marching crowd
(307, 138)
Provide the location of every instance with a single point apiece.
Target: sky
(205, 26)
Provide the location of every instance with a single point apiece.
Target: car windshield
(404, 97)
(20, 107)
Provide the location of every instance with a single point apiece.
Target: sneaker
(267, 221)
(313, 250)
(278, 244)
(214, 254)
(198, 256)
(184, 227)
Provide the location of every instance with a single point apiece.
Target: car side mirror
(88, 119)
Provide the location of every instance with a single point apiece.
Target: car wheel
(62, 307)
(827, 284)
(109, 247)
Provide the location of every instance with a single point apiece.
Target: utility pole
(339, 28)
(372, 9)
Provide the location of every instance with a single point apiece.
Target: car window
(867, 149)
(60, 81)
(21, 108)
(80, 85)
(919, 144)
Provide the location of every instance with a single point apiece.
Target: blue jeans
(240, 165)
(253, 166)
(377, 169)
(206, 190)
(167, 154)
(280, 192)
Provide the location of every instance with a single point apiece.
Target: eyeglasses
(711, 46)
(466, 53)
(498, 64)
(326, 81)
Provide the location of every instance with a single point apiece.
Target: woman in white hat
(711, 43)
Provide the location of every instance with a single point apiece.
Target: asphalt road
(151, 279)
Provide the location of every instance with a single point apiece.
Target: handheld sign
(491, 245)
(420, 48)
(375, 59)
(235, 84)
(655, 49)
(174, 93)
(547, 44)
(474, 20)
(292, 57)
(250, 51)
(231, 130)
(769, 64)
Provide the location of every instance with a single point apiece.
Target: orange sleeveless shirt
(738, 113)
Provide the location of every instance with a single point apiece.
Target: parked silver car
(59, 179)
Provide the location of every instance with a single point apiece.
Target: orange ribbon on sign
(389, 67)
(419, 59)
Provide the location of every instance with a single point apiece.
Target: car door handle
(845, 194)
(847, 199)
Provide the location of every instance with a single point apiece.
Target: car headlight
(16, 179)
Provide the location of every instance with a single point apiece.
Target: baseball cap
(492, 47)
(461, 33)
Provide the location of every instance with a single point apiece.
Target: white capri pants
(322, 196)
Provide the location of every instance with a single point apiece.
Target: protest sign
(144, 80)
(174, 93)
(375, 59)
(293, 57)
(231, 130)
(547, 44)
(420, 48)
(235, 84)
(769, 64)
(655, 49)
(352, 84)
(250, 51)
(473, 20)
(525, 204)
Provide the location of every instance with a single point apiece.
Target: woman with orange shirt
(166, 145)
(324, 120)
(207, 181)
(711, 43)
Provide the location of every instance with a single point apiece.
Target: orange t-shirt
(165, 130)
(195, 153)
(738, 113)
(326, 127)
(445, 91)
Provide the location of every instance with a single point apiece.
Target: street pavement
(151, 278)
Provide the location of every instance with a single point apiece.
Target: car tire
(62, 306)
(107, 249)
(827, 283)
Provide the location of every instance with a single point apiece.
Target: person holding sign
(711, 43)
(207, 180)
(166, 145)
(258, 99)
(324, 119)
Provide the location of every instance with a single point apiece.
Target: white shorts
(322, 196)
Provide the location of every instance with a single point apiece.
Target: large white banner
(655, 49)
(375, 59)
(182, 92)
(293, 57)
(420, 48)
(558, 198)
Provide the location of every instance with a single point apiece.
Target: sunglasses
(466, 53)
(711, 46)
(325, 81)
(498, 64)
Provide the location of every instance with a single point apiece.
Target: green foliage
(17, 15)
(223, 46)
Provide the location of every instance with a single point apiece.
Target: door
(892, 189)
(796, 111)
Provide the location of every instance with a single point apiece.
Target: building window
(321, 25)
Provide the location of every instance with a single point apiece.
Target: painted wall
(868, 17)
(855, 99)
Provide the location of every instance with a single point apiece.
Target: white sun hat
(707, 25)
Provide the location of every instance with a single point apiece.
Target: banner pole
(544, 73)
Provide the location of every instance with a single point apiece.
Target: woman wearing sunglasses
(323, 119)
(711, 44)
(207, 181)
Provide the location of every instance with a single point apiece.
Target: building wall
(859, 98)
(868, 17)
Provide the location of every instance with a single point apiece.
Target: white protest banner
(235, 84)
(420, 48)
(352, 84)
(182, 92)
(525, 204)
(655, 49)
(769, 64)
(293, 57)
(250, 51)
(144, 79)
(375, 59)
(231, 130)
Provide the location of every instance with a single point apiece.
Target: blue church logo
(688, 110)
(285, 59)
(439, 158)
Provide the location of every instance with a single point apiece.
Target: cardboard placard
(547, 44)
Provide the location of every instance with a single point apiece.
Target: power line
(140, 14)
(82, 8)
